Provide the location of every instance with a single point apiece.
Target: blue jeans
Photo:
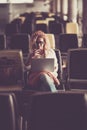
(46, 83)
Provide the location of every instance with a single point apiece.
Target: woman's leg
(46, 83)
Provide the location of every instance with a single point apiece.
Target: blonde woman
(40, 48)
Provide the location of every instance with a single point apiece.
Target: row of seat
(28, 110)
(31, 22)
(13, 76)
(22, 41)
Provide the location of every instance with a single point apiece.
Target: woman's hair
(35, 36)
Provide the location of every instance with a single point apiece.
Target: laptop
(42, 64)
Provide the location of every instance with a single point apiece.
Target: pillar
(72, 10)
(64, 9)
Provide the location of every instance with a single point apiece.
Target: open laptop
(42, 64)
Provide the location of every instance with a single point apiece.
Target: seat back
(41, 21)
(77, 68)
(11, 29)
(20, 41)
(84, 40)
(2, 41)
(58, 111)
(59, 59)
(72, 28)
(11, 70)
(8, 112)
(67, 41)
(55, 28)
(41, 26)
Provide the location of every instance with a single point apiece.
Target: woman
(40, 48)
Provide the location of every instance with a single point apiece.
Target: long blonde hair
(36, 35)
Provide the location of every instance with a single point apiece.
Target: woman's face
(40, 43)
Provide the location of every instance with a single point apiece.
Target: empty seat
(11, 29)
(40, 21)
(2, 41)
(11, 70)
(67, 41)
(20, 41)
(58, 111)
(27, 27)
(72, 28)
(84, 40)
(49, 19)
(42, 27)
(9, 113)
(77, 68)
(55, 27)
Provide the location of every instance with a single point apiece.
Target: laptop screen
(42, 64)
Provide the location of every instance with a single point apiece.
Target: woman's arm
(52, 54)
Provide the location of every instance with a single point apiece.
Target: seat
(27, 27)
(11, 70)
(2, 41)
(55, 27)
(17, 22)
(57, 111)
(20, 41)
(9, 113)
(72, 27)
(38, 17)
(11, 29)
(40, 21)
(84, 40)
(49, 19)
(22, 19)
(23, 105)
(41, 26)
(67, 41)
(77, 69)
(60, 69)
(51, 39)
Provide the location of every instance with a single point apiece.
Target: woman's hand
(37, 53)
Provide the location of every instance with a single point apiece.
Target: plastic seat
(84, 40)
(51, 39)
(57, 111)
(9, 112)
(12, 28)
(11, 70)
(77, 68)
(72, 28)
(2, 41)
(20, 41)
(41, 26)
(67, 41)
(60, 69)
(55, 27)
